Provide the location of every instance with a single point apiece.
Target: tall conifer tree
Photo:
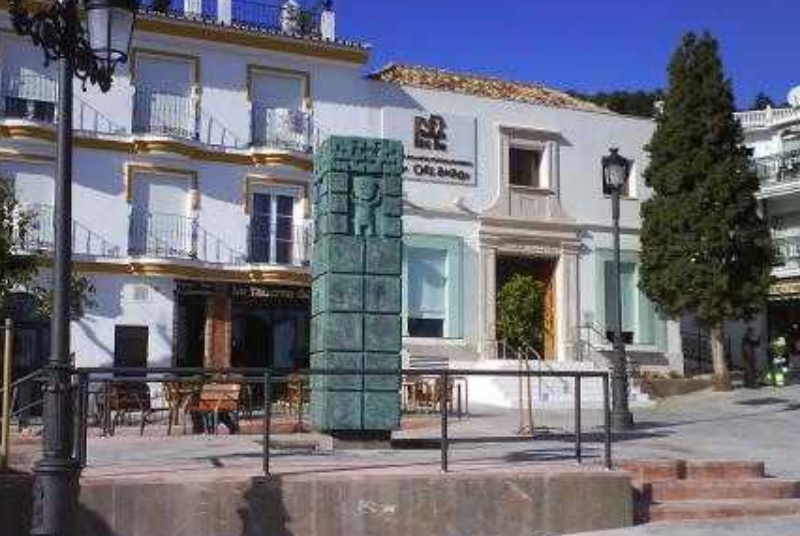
(705, 247)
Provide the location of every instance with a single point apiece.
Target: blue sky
(589, 45)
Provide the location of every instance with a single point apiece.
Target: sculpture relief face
(365, 188)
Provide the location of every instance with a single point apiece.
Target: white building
(773, 135)
(192, 194)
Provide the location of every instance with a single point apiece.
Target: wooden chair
(216, 398)
(120, 400)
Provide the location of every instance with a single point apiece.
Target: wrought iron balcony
(282, 242)
(779, 169)
(788, 250)
(34, 233)
(281, 128)
(165, 113)
(157, 235)
(288, 19)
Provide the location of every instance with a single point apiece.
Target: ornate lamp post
(91, 55)
(615, 175)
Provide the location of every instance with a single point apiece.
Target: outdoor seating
(215, 399)
(120, 400)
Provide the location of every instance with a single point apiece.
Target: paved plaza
(770, 527)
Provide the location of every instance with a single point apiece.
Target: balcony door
(272, 228)
(164, 102)
(279, 118)
(160, 222)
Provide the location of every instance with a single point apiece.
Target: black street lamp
(615, 175)
(90, 55)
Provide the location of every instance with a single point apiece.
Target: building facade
(773, 135)
(192, 194)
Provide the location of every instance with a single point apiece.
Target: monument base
(361, 439)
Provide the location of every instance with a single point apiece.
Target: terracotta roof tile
(481, 86)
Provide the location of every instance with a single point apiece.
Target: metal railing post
(443, 412)
(83, 415)
(607, 419)
(5, 433)
(266, 423)
(578, 438)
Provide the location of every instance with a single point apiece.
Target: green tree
(762, 101)
(18, 271)
(520, 312)
(637, 103)
(705, 247)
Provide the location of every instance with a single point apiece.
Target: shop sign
(438, 147)
(194, 288)
(266, 293)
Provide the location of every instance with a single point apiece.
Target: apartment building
(193, 194)
(773, 135)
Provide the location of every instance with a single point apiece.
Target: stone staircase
(690, 491)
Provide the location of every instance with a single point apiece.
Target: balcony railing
(283, 242)
(281, 128)
(778, 169)
(34, 233)
(32, 97)
(278, 16)
(768, 117)
(788, 250)
(153, 234)
(165, 113)
(159, 235)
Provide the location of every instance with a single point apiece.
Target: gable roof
(481, 86)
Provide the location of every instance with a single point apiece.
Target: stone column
(567, 305)
(487, 301)
(356, 289)
(218, 329)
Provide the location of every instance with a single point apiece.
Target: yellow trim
(254, 69)
(252, 181)
(28, 158)
(251, 39)
(283, 276)
(137, 52)
(132, 168)
(282, 159)
(144, 146)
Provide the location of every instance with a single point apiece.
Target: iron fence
(165, 112)
(281, 128)
(88, 379)
(153, 234)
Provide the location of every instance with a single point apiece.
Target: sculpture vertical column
(357, 286)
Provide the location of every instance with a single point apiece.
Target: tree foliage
(762, 101)
(705, 248)
(636, 103)
(520, 312)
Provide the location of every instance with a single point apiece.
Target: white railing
(768, 117)
(281, 128)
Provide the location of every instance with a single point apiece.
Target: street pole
(621, 416)
(57, 473)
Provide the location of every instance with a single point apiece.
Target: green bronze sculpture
(357, 286)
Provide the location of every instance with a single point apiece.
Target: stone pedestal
(356, 290)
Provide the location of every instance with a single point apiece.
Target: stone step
(694, 490)
(721, 509)
(645, 471)
(724, 470)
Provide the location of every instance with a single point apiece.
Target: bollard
(5, 433)
(578, 438)
(443, 412)
(266, 423)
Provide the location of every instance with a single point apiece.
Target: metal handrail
(265, 377)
